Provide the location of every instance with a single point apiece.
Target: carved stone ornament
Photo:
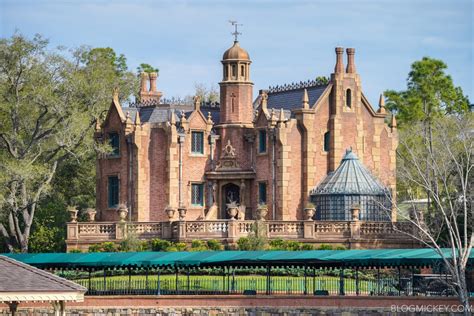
(228, 160)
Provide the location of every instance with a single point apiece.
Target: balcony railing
(82, 234)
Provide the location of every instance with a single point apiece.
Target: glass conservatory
(351, 185)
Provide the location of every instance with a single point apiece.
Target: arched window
(242, 71)
(327, 138)
(348, 98)
(234, 71)
(226, 71)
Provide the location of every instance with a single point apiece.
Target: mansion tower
(293, 144)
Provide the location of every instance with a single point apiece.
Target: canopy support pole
(176, 281)
(105, 280)
(268, 291)
(305, 279)
(341, 281)
(89, 282)
(399, 281)
(158, 286)
(129, 280)
(357, 281)
(188, 285)
(378, 281)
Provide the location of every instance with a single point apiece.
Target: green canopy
(317, 258)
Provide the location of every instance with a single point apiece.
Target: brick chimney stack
(148, 90)
(351, 68)
(143, 82)
(153, 76)
(339, 68)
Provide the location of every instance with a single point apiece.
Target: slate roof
(160, 113)
(351, 177)
(291, 98)
(16, 276)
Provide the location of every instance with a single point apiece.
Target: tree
(430, 93)
(146, 68)
(444, 169)
(49, 104)
(207, 94)
(322, 80)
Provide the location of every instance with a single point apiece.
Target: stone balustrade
(352, 234)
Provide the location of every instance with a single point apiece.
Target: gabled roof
(19, 281)
(351, 177)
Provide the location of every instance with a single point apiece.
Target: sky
(288, 41)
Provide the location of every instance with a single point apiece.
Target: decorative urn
(122, 211)
(182, 213)
(91, 214)
(232, 210)
(262, 211)
(355, 211)
(170, 211)
(72, 210)
(309, 211)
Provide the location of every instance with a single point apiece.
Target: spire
(381, 109)
(209, 118)
(305, 100)
(116, 95)
(393, 123)
(263, 99)
(137, 119)
(197, 102)
(183, 117)
(172, 117)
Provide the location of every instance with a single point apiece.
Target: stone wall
(240, 305)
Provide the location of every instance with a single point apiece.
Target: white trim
(6, 297)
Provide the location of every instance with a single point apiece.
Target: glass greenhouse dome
(349, 185)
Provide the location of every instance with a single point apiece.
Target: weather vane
(236, 31)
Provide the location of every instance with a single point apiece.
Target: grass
(208, 284)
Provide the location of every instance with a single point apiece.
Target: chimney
(351, 68)
(143, 82)
(339, 68)
(153, 76)
(152, 94)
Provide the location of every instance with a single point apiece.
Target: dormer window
(197, 143)
(348, 98)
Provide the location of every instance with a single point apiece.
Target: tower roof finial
(236, 32)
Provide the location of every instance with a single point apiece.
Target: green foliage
(322, 80)
(160, 244)
(291, 245)
(133, 244)
(103, 247)
(146, 68)
(430, 93)
(49, 103)
(214, 245)
(75, 251)
(325, 247)
(256, 239)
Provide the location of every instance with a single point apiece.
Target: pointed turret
(197, 102)
(393, 123)
(381, 109)
(305, 100)
(172, 117)
(137, 119)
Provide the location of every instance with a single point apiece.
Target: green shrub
(181, 246)
(307, 247)
(325, 247)
(75, 251)
(107, 246)
(160, 244)
(214, 245)
(340, 247)
(198, 245)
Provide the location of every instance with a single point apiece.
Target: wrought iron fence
(265, 280)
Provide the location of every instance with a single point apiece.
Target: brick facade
(157, 168)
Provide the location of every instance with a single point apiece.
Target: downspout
(130, 177)
(273, 175)
(180, 168)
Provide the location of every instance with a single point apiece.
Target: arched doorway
(230, 193)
